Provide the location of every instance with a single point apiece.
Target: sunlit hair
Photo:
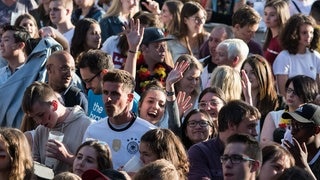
(283, 14)
(17, 146)
(37, 92)
(30, 17)
(214, 90)
(189, 9)
(305, 87)
(120, 76)
(78, 42)
(96, 60)
(228, 80)
(290, 35)
(185, 140)
(276, 152)
(267, 96)
(160, 169)
(234, 112)
(68, 4)
(174, 7)
(166, 145)
(66, 176)
(246, 15)
(193, 64)
(235, 47)
(103, 151)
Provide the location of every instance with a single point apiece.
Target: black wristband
(169, 93)
(130, 51)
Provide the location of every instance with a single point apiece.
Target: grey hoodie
(73, 128)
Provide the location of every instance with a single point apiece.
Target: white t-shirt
(68, 35)
(297, 64)
(303, 5)
(124, 143)
(110, 46)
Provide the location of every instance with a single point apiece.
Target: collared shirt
(5, 73)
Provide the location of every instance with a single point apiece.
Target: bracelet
(130, 51)
(169, 93)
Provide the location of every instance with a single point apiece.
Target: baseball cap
(307, 113)
(93, 174)
(153, 34)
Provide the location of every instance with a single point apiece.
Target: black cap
(153, 34)
(308, 113)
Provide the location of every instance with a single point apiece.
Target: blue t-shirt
(96, 108)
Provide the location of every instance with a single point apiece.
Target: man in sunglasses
(242, 158)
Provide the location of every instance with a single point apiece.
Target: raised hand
(134, 33)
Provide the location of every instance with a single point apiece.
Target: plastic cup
(133, 165)
(58, 136)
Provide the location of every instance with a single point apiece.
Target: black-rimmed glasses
(235, 159)
(89, 80)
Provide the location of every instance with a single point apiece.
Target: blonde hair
(228, 80)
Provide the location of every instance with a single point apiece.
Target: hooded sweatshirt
(73, 127)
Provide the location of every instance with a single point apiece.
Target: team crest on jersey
(133, 145)
(116, 144)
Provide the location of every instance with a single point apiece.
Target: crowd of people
(140, 89)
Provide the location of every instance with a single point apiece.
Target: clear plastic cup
(58, 136)
(133, 165)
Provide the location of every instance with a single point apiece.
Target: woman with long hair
(87, 35)
(16, 158)
(191, 34)
(164, 144)
(276, 14)
(92, 154)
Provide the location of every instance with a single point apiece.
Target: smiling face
(153, 105)
(85, 159)
(198, 133)
(60, 72)
(212, 104)
(93, 37)
(8, 47)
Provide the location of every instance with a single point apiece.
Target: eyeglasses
(235, 159)
(204, 104)
(199, 20)
(89, 80)
(290, 90)
(202, 123)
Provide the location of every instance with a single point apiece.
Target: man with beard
(121, 129)
(60, 67)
